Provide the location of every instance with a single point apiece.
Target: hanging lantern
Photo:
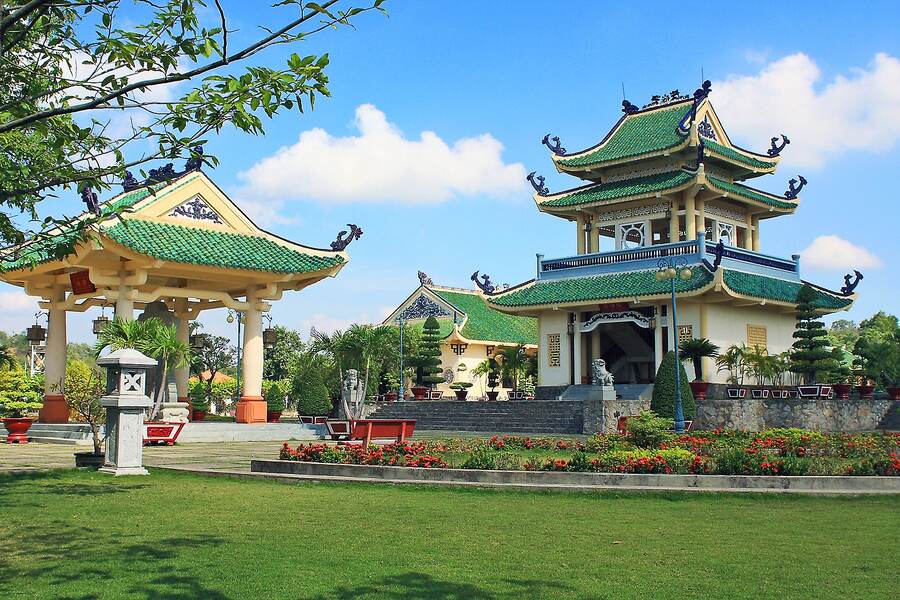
(99, 324)
(36, 334)
(270, 337)
(198, 340)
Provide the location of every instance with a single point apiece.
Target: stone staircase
(56, 433)
(493, 417)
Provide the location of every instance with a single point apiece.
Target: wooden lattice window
(757, 336)
(685, 333)
(553, 347)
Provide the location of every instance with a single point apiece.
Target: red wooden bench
(366, 430)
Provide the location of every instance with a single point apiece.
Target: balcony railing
(648, 257)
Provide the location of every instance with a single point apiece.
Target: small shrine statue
(599, 375)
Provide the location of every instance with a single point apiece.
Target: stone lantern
(125, 402)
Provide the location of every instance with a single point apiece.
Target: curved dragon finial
(89, 197)
(344, 237)
(776, 148)
(849, 286)
(718, 252)
(538, 183)
(556, 147)
(628, 108)
(484, 284)
(684, 126)
(793, 188)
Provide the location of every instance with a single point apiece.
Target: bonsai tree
(84, 388)
(428, 359)
(842, 372)
(663, 401)
(696, 350)
(460, 385)
(310, 392)
(19, 394)
(811, 358)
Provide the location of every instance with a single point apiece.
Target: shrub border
(809, 484)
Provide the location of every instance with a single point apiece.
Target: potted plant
(841, 376)
(811, 359)
(199, 400)
(310, 393)
(493, 377)
(19, 395)
(274, 395)
(759, 366)
(84, 388)
(696, 350)
(428, 359)
(392, 381)
(461, 388)
(733, 360)
(864, 366)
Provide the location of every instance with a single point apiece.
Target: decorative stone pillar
(251, 408)
(55, 409)
(125, 402)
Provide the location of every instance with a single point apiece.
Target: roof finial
(776, 149)
(424, 279)
(538, 184)
(556, 147)
(485, 285)
(89, 197)
(849, 286)
(794, 189)
(343, 239)
(628, 108)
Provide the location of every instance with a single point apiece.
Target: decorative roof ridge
(642, 112)
(449, 288)
(593, 184)
(513, 288)
(827, 291)
(713, 179)
(740, 150)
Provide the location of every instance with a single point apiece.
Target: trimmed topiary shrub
(663, 401)
(274, 394)
(310, 392)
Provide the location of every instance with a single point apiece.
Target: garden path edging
(567, 480)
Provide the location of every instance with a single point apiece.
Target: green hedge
(663, 401)
(310, 392)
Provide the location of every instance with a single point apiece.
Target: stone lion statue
(599, 375)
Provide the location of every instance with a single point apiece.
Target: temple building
(665, 186)
(172, 246)
(472, 331)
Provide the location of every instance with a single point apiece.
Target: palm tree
(155, 339)
(696, 350)
(734, 360)
(513, 361)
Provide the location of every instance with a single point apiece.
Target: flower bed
(720, 452)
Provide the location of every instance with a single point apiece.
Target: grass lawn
(70, 534)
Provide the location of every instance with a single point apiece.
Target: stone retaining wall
(820, 415)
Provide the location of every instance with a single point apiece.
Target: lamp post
(670, 269)
(402, 389)
(234, 315)
(36, 336)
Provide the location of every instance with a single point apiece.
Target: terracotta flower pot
(420, 392)
(198, 415)
(492, 396)
(461, 394)
(893, 392)
(89, 460)
(273, 416)
(699, 389)
(842, 391)
(865, 391)
(17, 430)
(391, 396)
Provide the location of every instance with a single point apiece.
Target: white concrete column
(182, 374)
(596, 350)
(251, 407)
(748, 233)
(690, 216)
(673, 224)
(579, 224)
(755, 224)
(125, 304)
(657, 340)
(595, 235)
(701, 217)
(577, 358)
(55, 409)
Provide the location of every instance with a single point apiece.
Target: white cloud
(16, 311)
(380, 164)
(857, 111)
(832, 253)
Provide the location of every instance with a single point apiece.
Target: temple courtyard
(78, 534)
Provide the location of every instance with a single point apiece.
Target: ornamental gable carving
(422, 308)
(723, 211)
(637, 211)
(197, 209)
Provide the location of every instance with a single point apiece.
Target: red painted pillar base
(55, 409)
(251, 409)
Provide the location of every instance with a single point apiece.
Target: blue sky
(504, 73)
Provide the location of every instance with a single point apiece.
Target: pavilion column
(755, 224)
(579, 224)
(657, 339)
(706, 362)
(596, 350)
(182, 374)
(748, 234)
(673, 224)
(125, 304)
(55, 409)
(595, 235)
(251, 408)
(690, 215)
(701, 217)
(576, 351)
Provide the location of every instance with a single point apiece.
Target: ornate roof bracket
(793, 188)
(556, 147)
(776, 148)
(538, 184)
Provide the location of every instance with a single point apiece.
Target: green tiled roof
(642, 133)
(601, 287)
(735, 156)
(197, 246)
(749, 193)
(488, 324)
(615, 190)
(760, 286)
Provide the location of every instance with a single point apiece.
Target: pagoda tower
(665, 185)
